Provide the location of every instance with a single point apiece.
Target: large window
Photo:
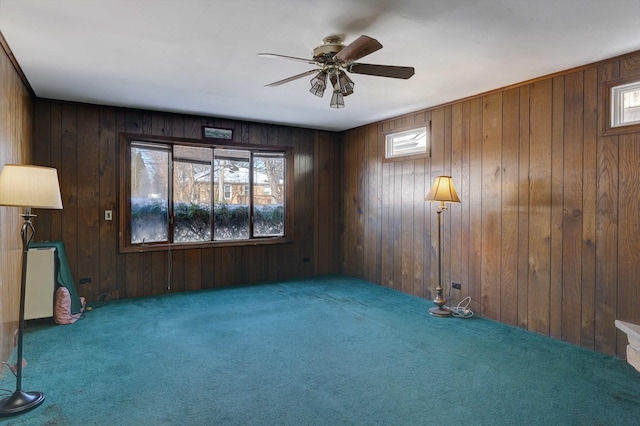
(183, 193)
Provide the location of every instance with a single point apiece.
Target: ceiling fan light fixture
(335, 82)
(337, 100)
(346, 84)
(334, 60)
(319, 83)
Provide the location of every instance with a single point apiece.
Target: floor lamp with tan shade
(28, 187)
(443, 192)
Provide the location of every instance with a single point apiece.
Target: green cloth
(64, 277)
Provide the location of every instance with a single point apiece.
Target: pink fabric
(62, 309)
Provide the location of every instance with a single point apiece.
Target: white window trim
(617, 103)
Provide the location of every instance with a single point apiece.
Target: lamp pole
(20, 400)
(439, 301)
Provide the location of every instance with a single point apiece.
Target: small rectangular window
(625, 104)
(407, 143)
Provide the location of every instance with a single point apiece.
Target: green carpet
(324, 351)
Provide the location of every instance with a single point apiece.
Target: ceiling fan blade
(382, 70)
(295, 77)
(292, 58)
(361, 47)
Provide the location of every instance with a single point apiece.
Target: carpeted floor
(324, 351)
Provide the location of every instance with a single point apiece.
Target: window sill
(143, 248)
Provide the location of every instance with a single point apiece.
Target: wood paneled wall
(81, 141)
(15, 148)
(547, 236)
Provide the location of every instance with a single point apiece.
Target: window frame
(124, 185)
(608, 99)
(406, 129)
(230, 192)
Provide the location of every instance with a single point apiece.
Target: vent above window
(412, 142)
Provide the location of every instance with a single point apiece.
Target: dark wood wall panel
(491, 207)
(571, 199)
(398, 254)
(557, 194)
(82, 142)
(547, 234)
(509, 208)
(606, 227)
(16, 127)
(629, 228)
(589, 195)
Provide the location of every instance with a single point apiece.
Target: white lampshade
(443, 191)
(30, 186)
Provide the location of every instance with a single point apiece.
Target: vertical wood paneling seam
(501, 215)
(558, 135)
(550, 242)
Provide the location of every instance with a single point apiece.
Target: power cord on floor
(103, 299)
(461, 310)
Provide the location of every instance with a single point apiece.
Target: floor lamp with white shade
(443, 192)
(28, 187)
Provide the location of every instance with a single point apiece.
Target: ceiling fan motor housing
(328, 49)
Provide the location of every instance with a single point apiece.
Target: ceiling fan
(334, 60)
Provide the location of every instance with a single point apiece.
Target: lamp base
(437, 311)
(20, 402)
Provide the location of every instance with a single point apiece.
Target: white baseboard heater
(41, 282)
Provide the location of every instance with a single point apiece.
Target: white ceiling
(200, 57)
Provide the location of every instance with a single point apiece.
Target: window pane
(149, 194)
(268, 195)
(231, 207)
(631, 106)
(191, 194)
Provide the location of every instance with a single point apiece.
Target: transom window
(412, 142)
(625, 104)
(184, 193)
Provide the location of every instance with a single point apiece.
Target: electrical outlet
(457, 286)
(108, 215)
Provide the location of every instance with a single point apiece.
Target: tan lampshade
(443, 191)
(30, 186)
